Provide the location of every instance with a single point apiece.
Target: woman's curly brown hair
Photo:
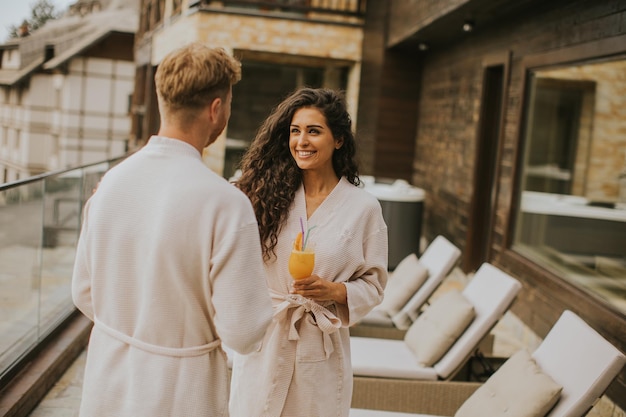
(269, 174)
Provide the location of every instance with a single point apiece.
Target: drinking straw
(302, 229)
(308, 232)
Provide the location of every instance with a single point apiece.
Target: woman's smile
(305, 154)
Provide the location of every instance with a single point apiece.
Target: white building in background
(65, 90)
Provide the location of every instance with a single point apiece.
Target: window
(572, 212)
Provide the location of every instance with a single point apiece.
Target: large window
(572, 211)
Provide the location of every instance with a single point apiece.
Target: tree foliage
(41, 11)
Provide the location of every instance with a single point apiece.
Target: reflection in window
(572, 217)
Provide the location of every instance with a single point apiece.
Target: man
(169, 263)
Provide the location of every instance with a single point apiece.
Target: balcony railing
(336, 7)
(40, 221)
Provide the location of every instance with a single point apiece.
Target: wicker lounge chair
(573, 355)
(438, 259)
(490, 293)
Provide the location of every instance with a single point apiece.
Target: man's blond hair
(191, 77)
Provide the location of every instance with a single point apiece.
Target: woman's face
(311, 141)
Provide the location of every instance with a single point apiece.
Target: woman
(300, 174)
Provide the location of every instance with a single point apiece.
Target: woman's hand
(318, 289)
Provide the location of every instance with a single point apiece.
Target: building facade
(66, 90)
(510, 115)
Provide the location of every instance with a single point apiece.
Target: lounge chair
(573, 356)
(489, 294)
(438, 260)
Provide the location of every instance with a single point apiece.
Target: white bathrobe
(167, 264)
(303, 368)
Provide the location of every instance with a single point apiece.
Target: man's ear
(215, 108)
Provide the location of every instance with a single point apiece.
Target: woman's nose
(303, 140)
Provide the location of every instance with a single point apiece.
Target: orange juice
(301, 263)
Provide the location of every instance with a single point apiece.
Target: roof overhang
(79, 47)
(12, 77)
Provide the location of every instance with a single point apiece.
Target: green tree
(41, 11)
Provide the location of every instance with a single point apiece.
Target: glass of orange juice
(301, 263)
(302, 259)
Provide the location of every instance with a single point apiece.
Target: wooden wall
(397, 118)
(374, 39)
(388, 98)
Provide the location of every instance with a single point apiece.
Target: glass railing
(40, 221)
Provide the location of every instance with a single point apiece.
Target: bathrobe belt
(326, 321)
(158, 350)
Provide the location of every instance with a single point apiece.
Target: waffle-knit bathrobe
(168, 264)
(303, 368)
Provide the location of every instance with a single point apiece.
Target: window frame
(571, 295)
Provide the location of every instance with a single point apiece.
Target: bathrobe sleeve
(366, 287)
(243, 307)
(241, 298)
(365, 290)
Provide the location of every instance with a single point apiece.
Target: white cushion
(517, 389)
(580, 359)
(386, 358)
(491, 291)
(377, 317)
(405, 280)
(402, 320)
(439, 258)
(439, 326)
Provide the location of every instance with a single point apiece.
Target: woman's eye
(294, 130)
(314, 131)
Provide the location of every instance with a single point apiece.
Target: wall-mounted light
(468, 26)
